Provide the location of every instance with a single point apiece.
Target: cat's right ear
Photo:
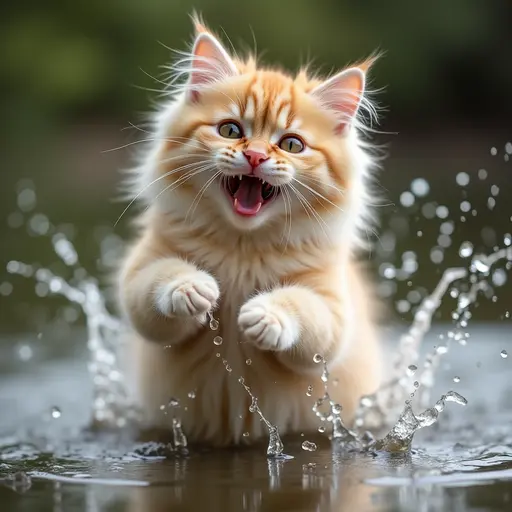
(210, 63)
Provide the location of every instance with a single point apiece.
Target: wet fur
(284, 285)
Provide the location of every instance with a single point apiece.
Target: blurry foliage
(78, 59)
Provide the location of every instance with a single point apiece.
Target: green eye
(231, 130)
(291, 144)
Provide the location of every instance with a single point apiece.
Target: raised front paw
(267, 325)
(193, 294)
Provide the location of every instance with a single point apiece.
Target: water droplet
(462, 179)
(162, 407)
(173, 402)
(466, 250)
(228, 368)
(407, 199)
(416, 384)
(465, 206)
(447, 228)
(411, 370)
(192, 395)
(436, 255)
(403, 306)
(504, 354)
(246, 434)
(321, 429)
(419, 234)
(456, 379)
(494, 151)
(248, 362)
(214, 324)
(480, 264)
(309, 392)
(217, 340)
(309, 446)
(317, 358)
(442, 211)
(482, 174)
(217, 354)
(56, 412)
(336, 409)
(254, 405)
(367, 401)
(499, 277)
(26, 199)
(420, 187)
(507, 239)
(25, 352)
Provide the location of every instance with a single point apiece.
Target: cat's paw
(267, 325)
(193, 294)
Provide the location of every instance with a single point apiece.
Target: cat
(257, 192)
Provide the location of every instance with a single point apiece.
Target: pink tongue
(248, 198)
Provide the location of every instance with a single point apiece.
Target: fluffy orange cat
(256, 187)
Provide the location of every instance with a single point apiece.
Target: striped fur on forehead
(269, 102)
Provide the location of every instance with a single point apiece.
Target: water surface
(49, 462)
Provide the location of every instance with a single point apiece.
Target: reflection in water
(290, 485)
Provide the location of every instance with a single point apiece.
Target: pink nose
(255, 158)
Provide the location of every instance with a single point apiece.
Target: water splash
(376, 409)
(399, 439)
(112, 405)
(341, 435)
(275, 445)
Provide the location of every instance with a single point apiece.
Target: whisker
(156, 139)
(182, 179)
(318, 218)
(318, 194)
(201, 192)
(288, 217)
(167, 174)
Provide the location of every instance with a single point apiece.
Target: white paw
(190, 295)
(267, 325)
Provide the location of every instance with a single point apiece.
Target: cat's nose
(254, 157)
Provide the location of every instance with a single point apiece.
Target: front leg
(295, 322)
(167, 299)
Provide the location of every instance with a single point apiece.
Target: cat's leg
(167, 299)
(296, 322)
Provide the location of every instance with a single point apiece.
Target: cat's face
(259, 145)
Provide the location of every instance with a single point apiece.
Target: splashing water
(113, 407)
(341, 435)
(399, 439)
(275, 445)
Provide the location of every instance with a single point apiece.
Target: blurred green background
(74, 75)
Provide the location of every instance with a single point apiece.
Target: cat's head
(259, 147)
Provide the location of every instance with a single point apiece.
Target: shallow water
(464, 462)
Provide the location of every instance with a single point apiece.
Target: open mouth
(249, 193)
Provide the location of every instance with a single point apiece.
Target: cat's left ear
(210, 62)
(342, 95)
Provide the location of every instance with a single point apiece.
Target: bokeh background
(75, 76)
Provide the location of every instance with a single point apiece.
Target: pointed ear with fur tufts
(210, 63)
(342, 95)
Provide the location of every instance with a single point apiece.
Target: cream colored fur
(283, 284)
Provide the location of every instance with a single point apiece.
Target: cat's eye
(231, 130)
(291, 144)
